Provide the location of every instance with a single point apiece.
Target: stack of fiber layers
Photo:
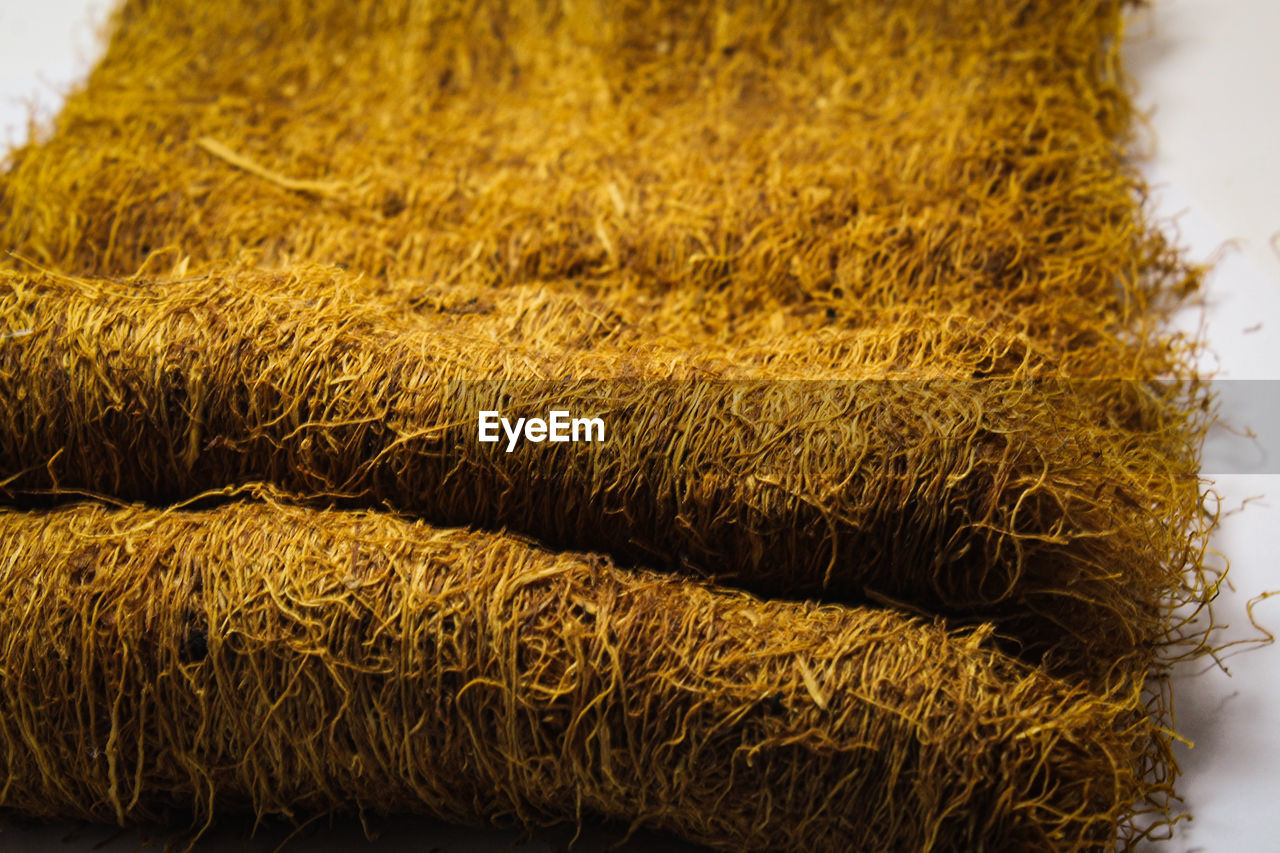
(882, 545)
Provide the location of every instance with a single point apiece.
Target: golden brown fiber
(838, 160)
(865, 289)
(288, 661)
(1066, 511)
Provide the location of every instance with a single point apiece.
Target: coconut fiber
(1011, 499)
(864, 294)
(277, 659)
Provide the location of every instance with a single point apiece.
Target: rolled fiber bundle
(735, 178)
(288, 661)
(1067, 514)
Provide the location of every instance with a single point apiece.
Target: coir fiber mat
(813, 357)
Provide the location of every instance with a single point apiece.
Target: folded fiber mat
(281, 660)
(869, 310)
(1068, 511)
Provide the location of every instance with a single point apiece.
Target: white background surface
(1209, 73)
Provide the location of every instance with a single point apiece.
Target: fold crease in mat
(1066, 510)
